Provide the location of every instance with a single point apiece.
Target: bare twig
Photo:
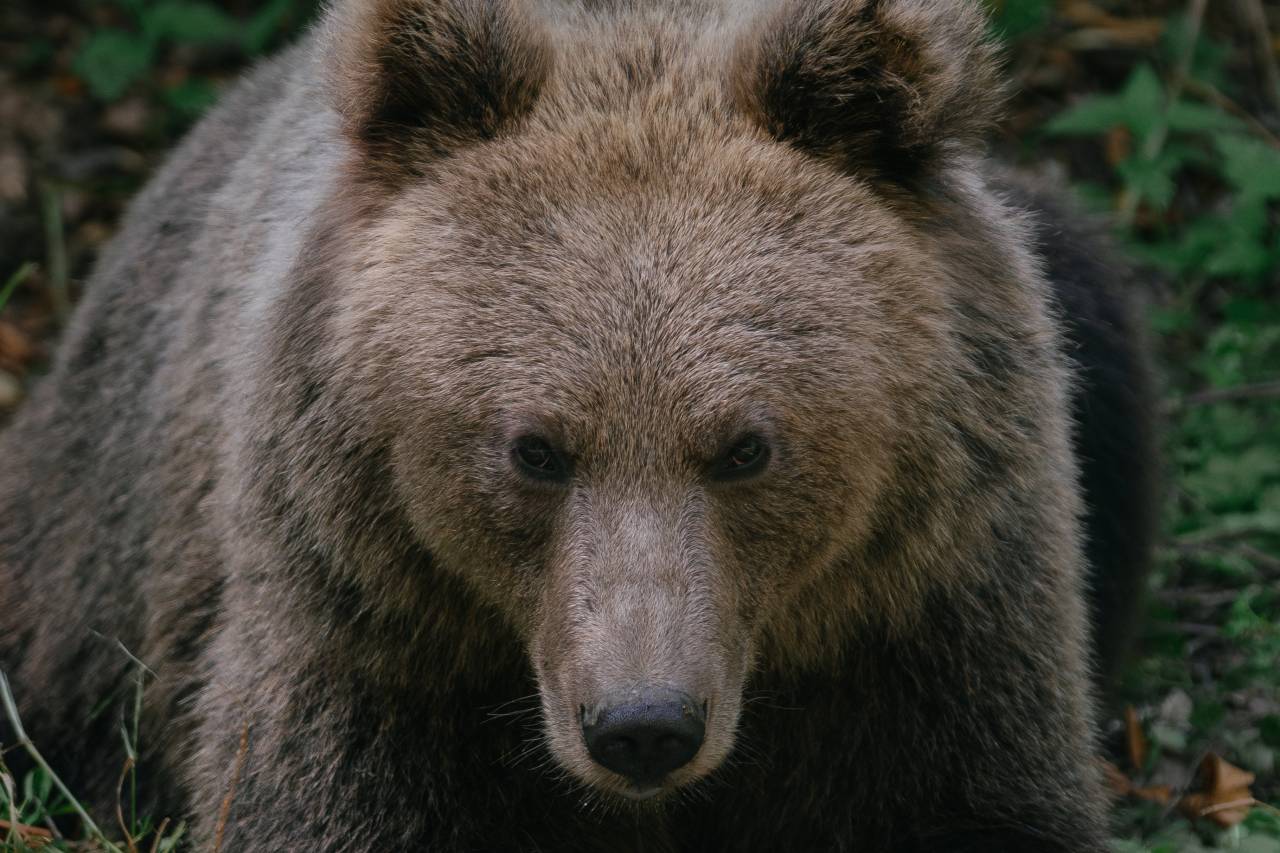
(155, 844)
(124, 827)
(1269, 390)
(224, 813)
(1219, 538)
(1261, 559)
(26, 830)
(1203, 598)
(1211, 94)
(1255, 20)
(1230, 805)
(1196, 629)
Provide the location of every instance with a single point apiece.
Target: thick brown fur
(274, 458)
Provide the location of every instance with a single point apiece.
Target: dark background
(1163, 116)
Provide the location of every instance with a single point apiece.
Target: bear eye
(537, 459)
(745, 458)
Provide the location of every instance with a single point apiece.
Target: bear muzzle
(644, 734)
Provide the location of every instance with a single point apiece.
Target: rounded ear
(884, 87)
(415, 79)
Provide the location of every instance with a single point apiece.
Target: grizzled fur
(273, 460)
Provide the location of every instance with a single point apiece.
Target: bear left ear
(416, 79)
(886, 88)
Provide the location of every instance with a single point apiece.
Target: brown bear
(587, 425)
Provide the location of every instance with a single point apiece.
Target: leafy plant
(112, 60)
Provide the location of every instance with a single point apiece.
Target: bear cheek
(454, 502)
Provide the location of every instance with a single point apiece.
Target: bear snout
(644, 734)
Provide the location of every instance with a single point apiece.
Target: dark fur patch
(868, 86)
(418, 78)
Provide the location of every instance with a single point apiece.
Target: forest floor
(1163, 116)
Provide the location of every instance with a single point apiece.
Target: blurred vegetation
(1162, 115)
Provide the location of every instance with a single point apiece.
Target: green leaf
(111, 60)
(19, 276)
(1014, 19)
(1144, 99)
(191, 97)
(1094, 114)
(1172, 319)
(1241, 249)
(1152, 180)
(1253, 167)
(1206, 715)
(190, 22)
(264, 24)
(1138, 106)
(1191, 117)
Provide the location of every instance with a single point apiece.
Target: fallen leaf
(1119, 145)
(1223, 796)
(1116, 781)
(1122, 786)
(1161, 794)
(15, 346)
(1135, 739)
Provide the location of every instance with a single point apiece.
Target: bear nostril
(645, 736)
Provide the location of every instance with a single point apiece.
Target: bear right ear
(884, 88)
(415, 79)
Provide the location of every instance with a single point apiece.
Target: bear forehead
(729, 229)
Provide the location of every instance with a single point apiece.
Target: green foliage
(112, 61)
(1196, 190)
(43, 800)
(1012, 20)
(1169, 137)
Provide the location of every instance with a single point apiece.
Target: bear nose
(646, 735)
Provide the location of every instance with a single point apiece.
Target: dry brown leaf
(1223, 796)
(1122, 786)
(16, 347)
(1115, 780)
(1161, 794)
(1135, 739)
(1119, 145)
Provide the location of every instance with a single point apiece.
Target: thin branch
(1255, 20)
(1261, 559)
(25, 830)
(224, 813)
(155, 844)
(1269, 390)
(1208, 599)
(1230, 805)
(1211, 94)
(124, 827)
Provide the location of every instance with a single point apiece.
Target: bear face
(648, 349)
(642, 354)
(654, 359)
